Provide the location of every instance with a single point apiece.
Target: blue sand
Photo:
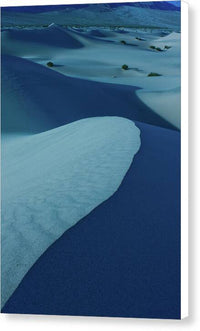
(123, 259)
(113, 99)
(46, 37)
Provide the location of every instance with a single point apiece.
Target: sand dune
(170, 39)
(98, 55)
(38, 41)
(164, 103)
(36, 99)
(113, 255)
(52, 180)
(56, 172)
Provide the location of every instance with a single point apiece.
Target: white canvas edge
(184, 129)
(184, 161)
(10, 3)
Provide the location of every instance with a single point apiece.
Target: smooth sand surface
(52, 180)
(123, 259)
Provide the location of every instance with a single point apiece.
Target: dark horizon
(161, 5)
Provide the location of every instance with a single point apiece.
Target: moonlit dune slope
(52, 180)
(27, 42)
(165, 103)
(123, 259)
(36, 99)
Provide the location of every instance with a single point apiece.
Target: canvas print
(91, 123)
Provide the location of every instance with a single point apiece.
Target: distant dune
(75, 54)
(34, 40)
(43, 99)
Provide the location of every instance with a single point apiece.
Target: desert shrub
(153, 74)
(153, 47)
(167, 47)
(125, 67)
(123, 42)
(50, 64)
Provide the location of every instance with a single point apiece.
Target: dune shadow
(62, 99)
(58, 65)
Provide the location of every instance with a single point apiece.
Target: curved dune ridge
(30, 41)
(170, 38)
(97, 33)
(123, 259)
(157, 101)
(52, 180)
(36, 99)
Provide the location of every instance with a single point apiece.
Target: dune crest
(36, 99)
(52, 180)
(43, 40)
